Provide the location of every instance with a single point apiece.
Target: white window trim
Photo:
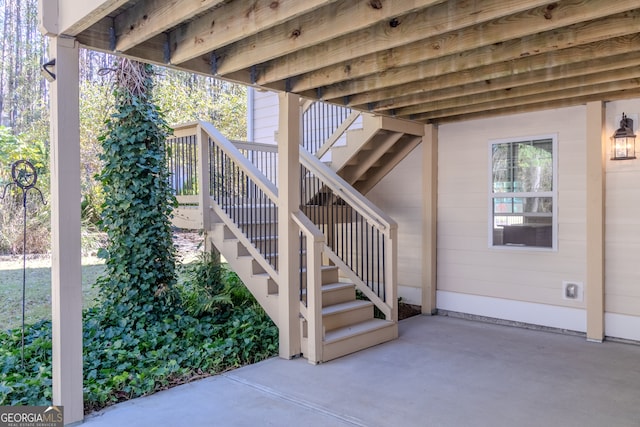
(553, 194)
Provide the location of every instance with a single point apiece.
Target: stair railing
(335, 222)
(360, 238)
(245, 196)
(263, 156)
(323, 124)
(182, 161)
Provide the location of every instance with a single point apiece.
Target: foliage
(140, 259)
(119, 365)
(209, 288)
(188, 97)
(13, 148)
(23, 92)
(31, 385)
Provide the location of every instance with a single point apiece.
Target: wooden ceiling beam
(570, 44)
(528, 108)
(491, 94)
(395, 96)
(490, 36)
(397, 23)
(147, 19)
(484, 79)
(542, 98)
(238, 21)
(105, 8)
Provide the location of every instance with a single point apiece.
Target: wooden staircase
(348, 323)
(347, 251)
(372, 151)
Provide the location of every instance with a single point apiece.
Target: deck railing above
(323, 124)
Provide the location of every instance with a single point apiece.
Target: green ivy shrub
(136, 214)
(121, 364)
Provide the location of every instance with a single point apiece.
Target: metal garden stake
(25, 177)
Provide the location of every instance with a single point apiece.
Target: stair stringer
(245, 260)
(386, 163)
(380, 137)
(356, 140)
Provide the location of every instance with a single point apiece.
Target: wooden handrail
(338, 133)
(367, 209)
(254, 146)
(252, 172)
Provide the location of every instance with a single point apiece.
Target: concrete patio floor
(442, 371)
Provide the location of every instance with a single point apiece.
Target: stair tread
(345, 306)
(322, 268)
(337, 285)
(355, 329)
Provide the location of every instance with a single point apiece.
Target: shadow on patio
(441, 372)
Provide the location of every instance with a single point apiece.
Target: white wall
(622, 233)
(399, 195)
(466, 263)
(519, 285)
(265, 117)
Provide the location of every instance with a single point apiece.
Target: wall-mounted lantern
(623, 141)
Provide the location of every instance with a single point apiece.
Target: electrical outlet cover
(572, 291)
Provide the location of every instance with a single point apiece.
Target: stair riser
(345, 318)
(338, 296)
(369, 339)
(330, 275)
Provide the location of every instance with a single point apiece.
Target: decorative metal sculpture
(25, 177)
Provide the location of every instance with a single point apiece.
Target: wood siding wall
(265, 118)
(466, 263)
(399, 194)
(622, 232)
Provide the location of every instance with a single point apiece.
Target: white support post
(66, 270)
(429, 217)
(392, 272)
(313, 313)
(314, 297)
(289, 136)
(595, 186)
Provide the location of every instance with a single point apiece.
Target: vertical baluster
(384, 273)
(191, 169)
(378, 258)
(367, 281)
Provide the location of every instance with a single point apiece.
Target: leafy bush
(140, 258)
(31, 385)
(121, 363)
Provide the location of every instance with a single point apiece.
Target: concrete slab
(440, 372)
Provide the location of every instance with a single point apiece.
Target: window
(523, 192)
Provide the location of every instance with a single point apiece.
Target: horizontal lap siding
(399, 195)
(265, 117)
(466, 264)
(622, 247)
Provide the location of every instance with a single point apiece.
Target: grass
(37, 289)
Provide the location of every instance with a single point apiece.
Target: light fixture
(623, 141)
(45, 70)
